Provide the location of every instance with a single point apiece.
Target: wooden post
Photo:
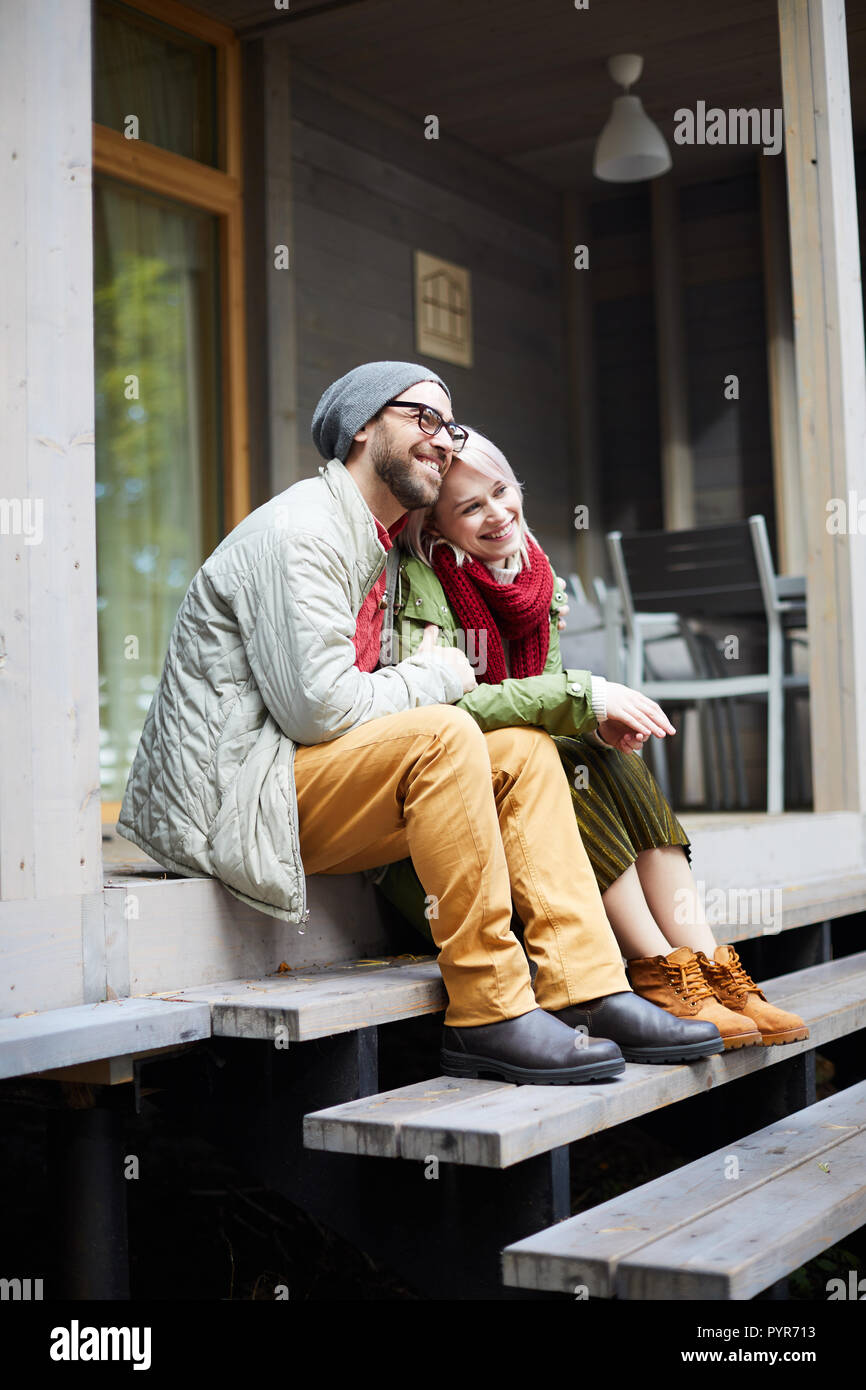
(781, 369)
(590, 549)
(50, 830)
(678, 492)
(828, 317)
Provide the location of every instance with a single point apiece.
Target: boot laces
(738, 978)
(687, 979)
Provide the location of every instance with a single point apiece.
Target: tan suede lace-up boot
(676, 983)
(736, 989)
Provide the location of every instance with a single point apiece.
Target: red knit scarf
(519, 611)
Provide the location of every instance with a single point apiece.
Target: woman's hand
(631, 718)
(449, 656)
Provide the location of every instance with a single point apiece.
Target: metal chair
(660, 629)
(723, 571)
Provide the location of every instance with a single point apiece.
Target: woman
(473, 574)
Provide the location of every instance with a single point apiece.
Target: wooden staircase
(493, 1124)
(481, 1166)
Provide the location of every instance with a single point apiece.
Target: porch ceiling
(527, 83)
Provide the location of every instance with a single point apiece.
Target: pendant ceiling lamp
(631, 147)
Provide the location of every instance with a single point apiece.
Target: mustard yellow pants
(486, 818)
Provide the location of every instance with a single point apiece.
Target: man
(276, 746)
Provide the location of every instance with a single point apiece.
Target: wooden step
(90, 1032)
(812, 900)
(312, 1001)
(494, 1124)
(756, 910)
(724, 1227)
(315, 1003)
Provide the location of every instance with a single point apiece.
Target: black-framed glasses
(431, 422)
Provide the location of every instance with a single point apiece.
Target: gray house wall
(726, 335)
(354, 188)
(725, 332)
(365, 194)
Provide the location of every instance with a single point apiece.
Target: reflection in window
(161, 77)
(158, 442)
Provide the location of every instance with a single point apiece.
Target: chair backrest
(575, 586)
(724, 569)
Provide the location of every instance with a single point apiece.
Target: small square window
(443, 310)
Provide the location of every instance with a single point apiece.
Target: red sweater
(368, 626)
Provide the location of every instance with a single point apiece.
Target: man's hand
(631, 718)
(450, 656)
(619, 735)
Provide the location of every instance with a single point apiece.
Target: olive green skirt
(619, 807)
(620, 811)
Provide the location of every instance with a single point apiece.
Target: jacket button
(442, 608)
(418, 602)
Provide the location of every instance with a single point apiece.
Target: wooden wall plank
(255, 271)
(678, 494)
(403, 186)
(365, 195)
(581, 397)
(393, 135)
(731, 446)
(280, 284)
(455, 240)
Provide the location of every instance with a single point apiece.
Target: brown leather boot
(734, 988)
(676, 983)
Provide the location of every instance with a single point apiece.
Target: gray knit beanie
(349, 403)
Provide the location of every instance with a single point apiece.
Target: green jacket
(557, 700)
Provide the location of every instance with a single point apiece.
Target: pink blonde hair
(482, 454)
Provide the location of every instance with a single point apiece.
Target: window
(171, 436)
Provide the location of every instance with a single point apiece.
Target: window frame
(219, 191)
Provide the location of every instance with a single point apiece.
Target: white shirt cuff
(599, 697)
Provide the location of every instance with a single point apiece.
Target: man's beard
(402, 477)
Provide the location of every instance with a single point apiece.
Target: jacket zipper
(391, 605)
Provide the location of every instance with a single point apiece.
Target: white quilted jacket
(261, 659)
